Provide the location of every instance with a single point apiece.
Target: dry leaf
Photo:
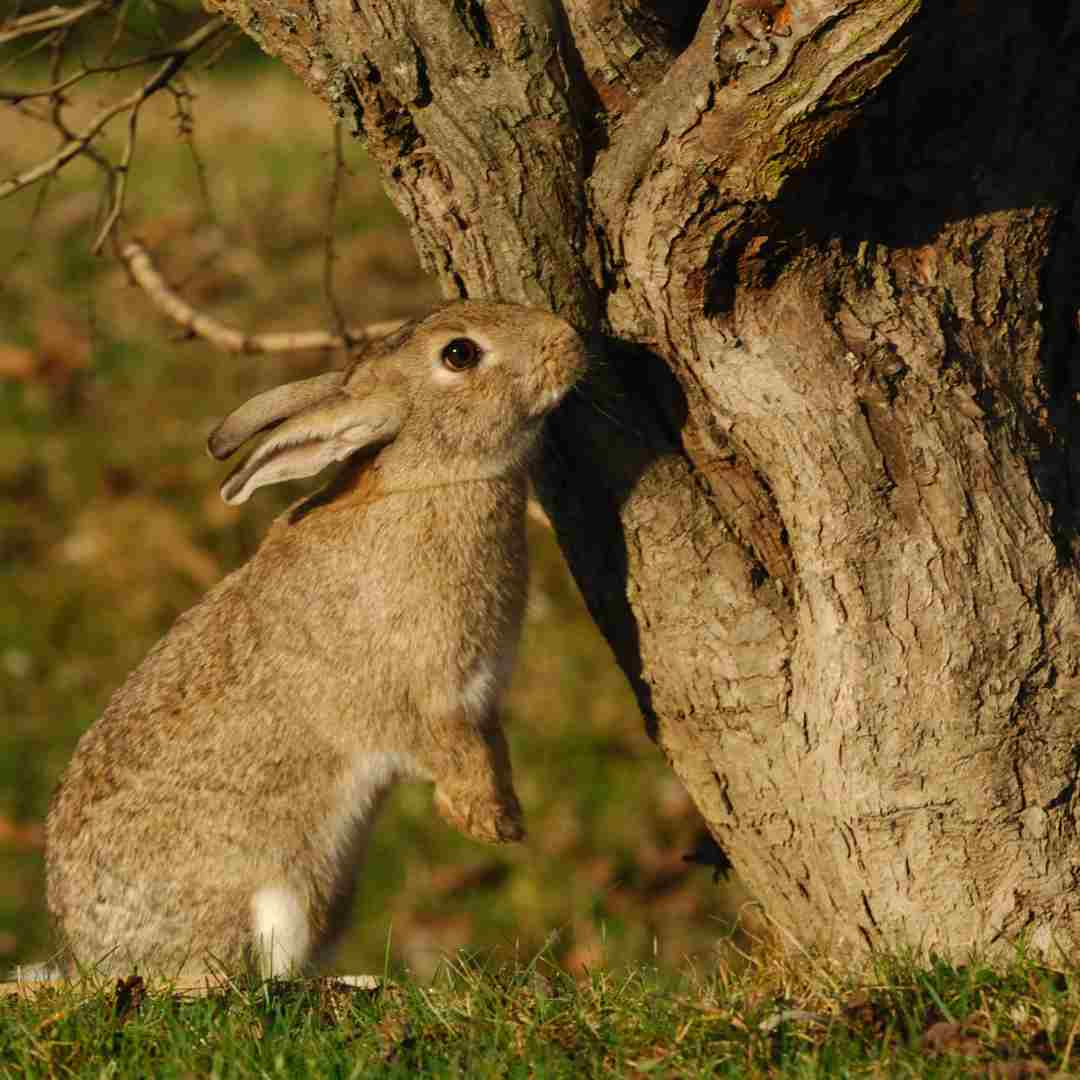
(17, 362)
(63, 347)
(947, 1038)
(454, 880)
(1017, 1070)
(28, 836)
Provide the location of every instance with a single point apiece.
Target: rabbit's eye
(461, 354)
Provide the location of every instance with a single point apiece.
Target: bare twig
(185, 119)
(147, 276)
(119, 30)
(118, 176)
(52, 18)
(76, 143)
(85, 72)
(329, 253)
(221, 49)
(58, 101)
(16, 96)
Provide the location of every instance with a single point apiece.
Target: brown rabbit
(216, 813)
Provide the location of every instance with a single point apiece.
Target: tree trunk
(821, 493)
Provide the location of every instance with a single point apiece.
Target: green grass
(797, 1018)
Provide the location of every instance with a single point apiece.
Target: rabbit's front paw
(497, 820)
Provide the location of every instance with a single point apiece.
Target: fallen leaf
(17, 362)
(1017, 1070)
(63, 347)
(455, 880)
(948, 1038)
(27, 836)
(791, 1016)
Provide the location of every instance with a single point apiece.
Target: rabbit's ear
(269, 408)
(326, 432)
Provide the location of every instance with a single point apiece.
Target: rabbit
(215, 814)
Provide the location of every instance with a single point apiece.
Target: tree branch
(77, 143)
(470, 112)
(147, 276)
(329, 250)
(751, 103)
(57, 88)
(624, 50)
(54, 18)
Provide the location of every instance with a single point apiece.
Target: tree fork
(820, 495)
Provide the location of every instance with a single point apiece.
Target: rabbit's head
(458, 395)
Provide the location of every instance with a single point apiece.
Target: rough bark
(821, 494)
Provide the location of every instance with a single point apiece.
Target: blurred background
(111, 525)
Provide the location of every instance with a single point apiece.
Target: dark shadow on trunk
(623, 417)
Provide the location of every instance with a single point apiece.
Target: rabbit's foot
(474, 783)
(496, 818)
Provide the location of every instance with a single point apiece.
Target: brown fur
(233, 779)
